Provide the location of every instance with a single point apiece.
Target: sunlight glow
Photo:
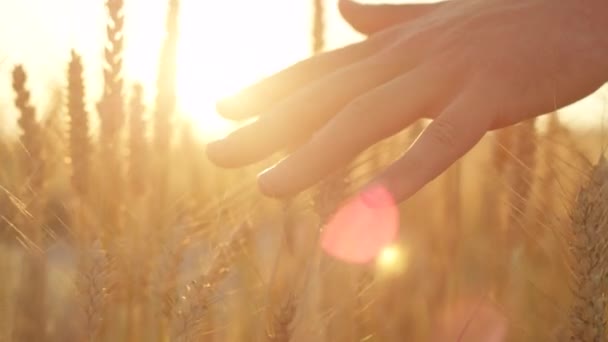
(223, 48)
(393, 259)
(389, 256)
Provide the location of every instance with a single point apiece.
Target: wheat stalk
(191, 308)
(364, 320)
(589, 258)
(31, 136)
(166, 97)
(93, 284)
(547, 180)
(521, 178)
(29, 219)
(164, 111)
(318, 27)
(112, 116)
(110, 107)
(80, 145)
(282, 320)
(138, 149)
(331, 193)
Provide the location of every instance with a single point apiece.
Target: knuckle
(443, 133)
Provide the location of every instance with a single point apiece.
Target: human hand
(470, 65)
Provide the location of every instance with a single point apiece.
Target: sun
(226, 45)
(223, 46)
(393, 259)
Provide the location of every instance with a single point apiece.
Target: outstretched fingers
(451, 135)
(371, 117)
(298, 116)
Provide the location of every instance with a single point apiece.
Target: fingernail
(214, 146)
(263, 183)
(376, 196)
(215, 150)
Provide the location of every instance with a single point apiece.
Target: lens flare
(362, 228)
(393, 259)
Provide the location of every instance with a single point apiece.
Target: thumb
(369, 19)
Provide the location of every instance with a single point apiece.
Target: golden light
(223, 46)
(393, 259)
(226, 45)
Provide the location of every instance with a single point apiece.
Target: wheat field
(115, 227)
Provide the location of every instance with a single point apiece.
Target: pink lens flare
(363, 227)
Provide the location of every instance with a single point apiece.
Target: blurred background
(223, 45)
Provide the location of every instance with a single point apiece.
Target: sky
(224, 45)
